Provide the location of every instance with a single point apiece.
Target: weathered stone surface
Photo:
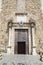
(32, 8)
(20, 60)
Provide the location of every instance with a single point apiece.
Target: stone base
(20, 60)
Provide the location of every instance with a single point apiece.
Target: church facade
(21, 28)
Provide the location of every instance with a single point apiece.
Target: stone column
(33, 36)
(9, 41)
(34, 45)
(12, 40)
(29, 32)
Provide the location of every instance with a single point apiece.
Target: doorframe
(12, 39)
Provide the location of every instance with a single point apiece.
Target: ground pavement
(20, 60)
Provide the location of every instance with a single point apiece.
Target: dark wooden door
(21, 48)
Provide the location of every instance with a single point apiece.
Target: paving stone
(20, 60)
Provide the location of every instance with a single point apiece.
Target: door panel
(21, 48)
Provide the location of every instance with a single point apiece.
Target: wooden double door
(21, 41)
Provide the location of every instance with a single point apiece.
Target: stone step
(20, 60)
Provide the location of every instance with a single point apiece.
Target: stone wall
(33, 10)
